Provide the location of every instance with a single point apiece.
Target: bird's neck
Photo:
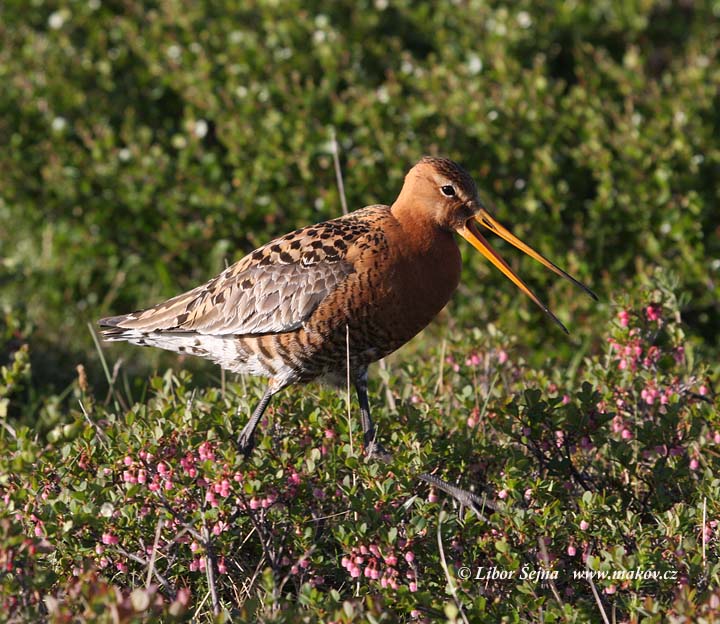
(420, 231)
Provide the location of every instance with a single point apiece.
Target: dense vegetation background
(147, 144)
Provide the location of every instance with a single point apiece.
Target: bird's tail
(224, 350)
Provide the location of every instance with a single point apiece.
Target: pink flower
(679, 355)
(649, 395)
(183, 596)
(610, 590)
(571, 550)
(205, 452)
(222, 569)
(128, 461)
(129, 477)
(413, 586)
(473, 360)
(502, 356)
(109, 539)
(694, 464)
(653, 312)
(584, 525)
(624, 318)
(409, 556)
(702, 390)
(502, 494)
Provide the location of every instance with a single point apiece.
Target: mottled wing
(274, 289)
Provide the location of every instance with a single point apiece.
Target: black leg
(246, 439)
(372, 447)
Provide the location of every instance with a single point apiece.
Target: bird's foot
(375, 450)
(245, 443)
(479, 504)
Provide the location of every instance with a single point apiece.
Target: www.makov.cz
(637, 574)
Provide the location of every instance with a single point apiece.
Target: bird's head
(443, 192)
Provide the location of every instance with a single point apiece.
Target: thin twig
(338, 170)
(9, 429)
(704, 534)
(597, 596)
(162, 580)
(347, 367)
(101, 436)
(153, 554)
(210, 570)
(441, 367)
(448, 576)
(103, 361)
(100, 352)
(546, 560)
(199, 607)
(306, 555)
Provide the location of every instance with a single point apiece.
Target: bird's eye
(448, 190)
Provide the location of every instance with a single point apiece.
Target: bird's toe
(245, 444)
(375, 450)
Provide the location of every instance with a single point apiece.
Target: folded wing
(274, 289)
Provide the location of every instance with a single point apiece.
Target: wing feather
(274, 289)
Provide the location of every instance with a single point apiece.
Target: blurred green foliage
(148, 143)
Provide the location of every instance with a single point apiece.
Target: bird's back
(278, 311)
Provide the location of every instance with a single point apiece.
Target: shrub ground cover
(147, 144)
(149, 511)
